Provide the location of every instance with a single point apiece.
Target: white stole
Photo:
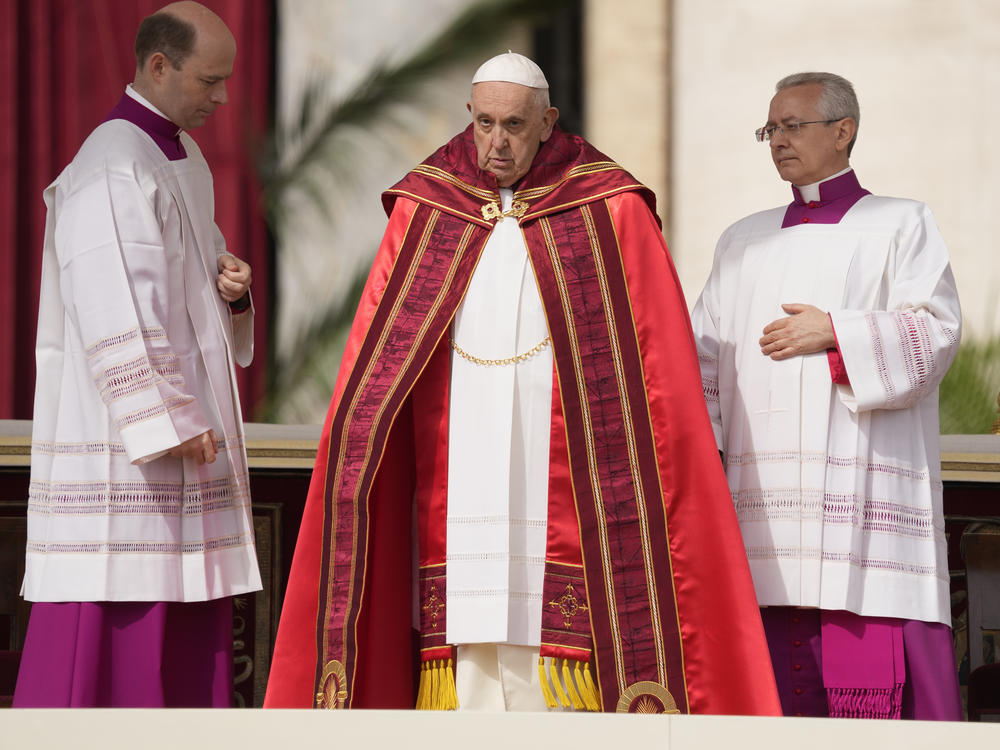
(498, 450)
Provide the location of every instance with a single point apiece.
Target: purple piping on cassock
(164, 133)
(836, 197)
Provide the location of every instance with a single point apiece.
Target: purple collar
(164, 133)
(836, 197)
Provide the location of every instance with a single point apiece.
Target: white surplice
(837, 487)
(498, 450)
(136, 353)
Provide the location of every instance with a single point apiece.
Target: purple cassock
(129, 654)
(836, 663)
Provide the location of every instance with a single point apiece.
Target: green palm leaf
(294, 151)
(968, 393)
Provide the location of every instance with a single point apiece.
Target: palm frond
(311, 146)
(310, 358)
(305, 143)
(968, 393)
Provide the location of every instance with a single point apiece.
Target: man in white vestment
(823, 332)
(139, 524)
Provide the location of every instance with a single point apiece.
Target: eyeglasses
(792, 129)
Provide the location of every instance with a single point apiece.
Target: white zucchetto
(512, 68)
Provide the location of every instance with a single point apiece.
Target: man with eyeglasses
(823, 332)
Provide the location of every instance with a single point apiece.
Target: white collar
(810, 192)
(145, 102)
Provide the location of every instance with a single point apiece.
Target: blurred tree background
(318, 145)
(326, 139)
(970, 390)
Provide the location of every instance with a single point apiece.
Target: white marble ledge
(269, 446)
(100, 729)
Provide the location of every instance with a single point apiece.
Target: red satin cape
(723, 658)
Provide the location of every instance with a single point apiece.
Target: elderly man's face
(509, 126)
(817, 150)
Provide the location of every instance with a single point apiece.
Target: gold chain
(501, 362)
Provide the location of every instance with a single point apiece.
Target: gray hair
(837, 100)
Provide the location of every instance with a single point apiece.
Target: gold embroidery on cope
(647, 698)
(434, 605)
(629, 432)
(332, 686)
(591, 449)
(491, 211)
(568, 604)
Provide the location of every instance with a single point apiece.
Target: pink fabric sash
(863, 665)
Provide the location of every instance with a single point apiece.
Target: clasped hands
(233, 280)
(806, 330)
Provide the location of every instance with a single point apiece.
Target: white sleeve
(115, 286)
(242, 322)
(705, 324)
(897, 356)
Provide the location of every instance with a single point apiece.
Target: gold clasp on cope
(491, 211)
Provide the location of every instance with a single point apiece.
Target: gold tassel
(451, 697)
(543, 681)
(582, 685)
(574, 696)
(592, 691)
(439, 681)
(557, 684)
(435, 687)
(422, 690)
(444, 693)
